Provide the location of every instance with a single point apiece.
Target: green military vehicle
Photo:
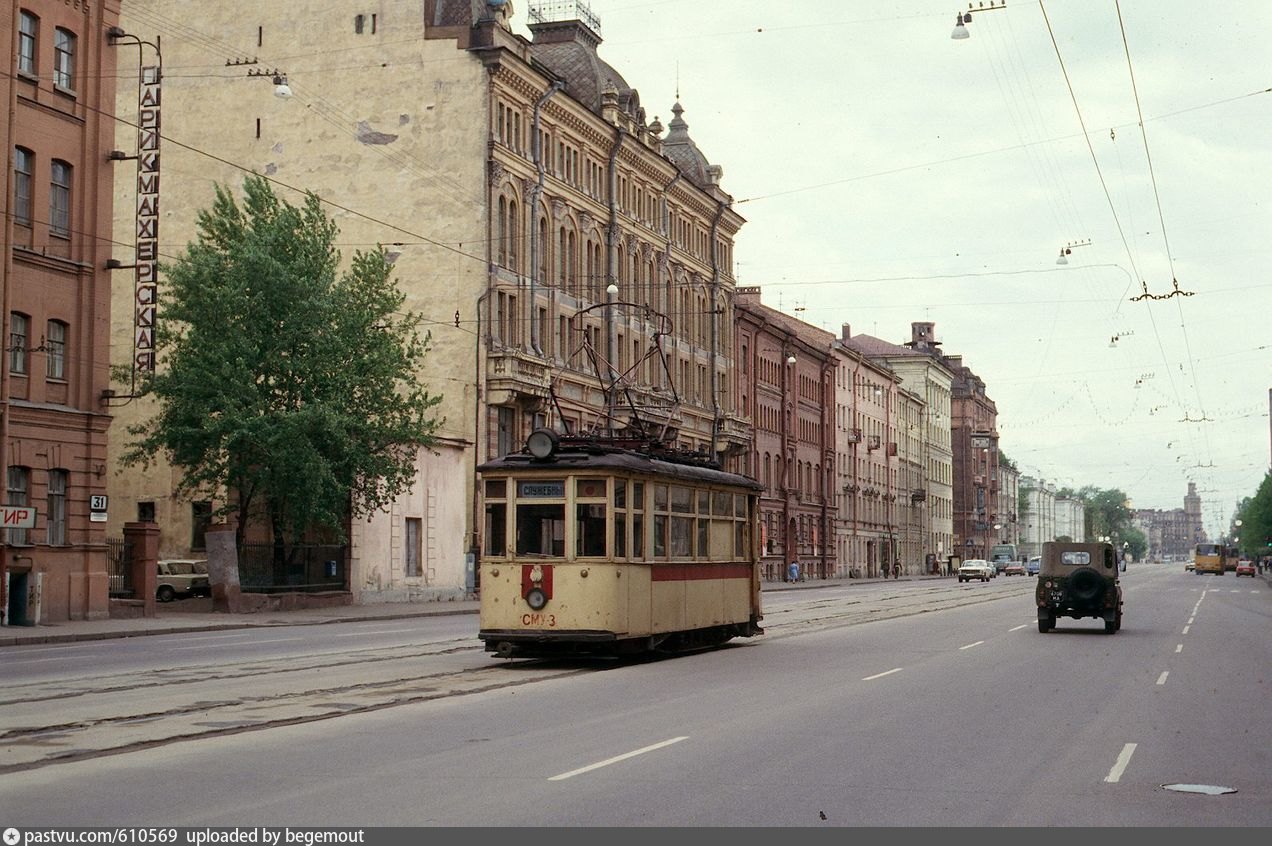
(1078, 580)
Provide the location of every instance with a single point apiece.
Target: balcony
(854, 436)
(918, 495)
(515, 376)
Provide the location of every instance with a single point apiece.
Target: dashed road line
(881, 675)
(1185, 631)
(1018, 628)
(970, 645)
(1162, 678)
(1179, 648)
(1119, 767)
(617, 758)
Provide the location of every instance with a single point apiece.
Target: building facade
(60, 94)
(785, 387)
(913, 377)
(573, 261)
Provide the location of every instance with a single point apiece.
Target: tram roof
(618, 461)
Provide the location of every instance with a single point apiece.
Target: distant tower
(1192, 515)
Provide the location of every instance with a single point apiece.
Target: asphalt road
(919, 704)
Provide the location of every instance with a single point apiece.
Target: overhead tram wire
(1108, 197)
(1183, 326)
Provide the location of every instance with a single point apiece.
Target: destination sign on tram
(541, 490)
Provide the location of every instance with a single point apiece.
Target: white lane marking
(1119, 767)
(970, 645)
(1179, 648)
(373, 632)
(1162, 678)
(1185, 631)
(1235, 590)
(1018, 628)
(1190, 620)
(616, 759)
(881, 675)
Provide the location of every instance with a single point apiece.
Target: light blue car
(1033, 565)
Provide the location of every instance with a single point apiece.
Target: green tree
(281, 381)
(1255, 514)
(1107, 513)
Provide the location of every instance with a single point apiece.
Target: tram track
(62, 720)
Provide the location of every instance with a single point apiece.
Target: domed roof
(568, 49)
(682, 150)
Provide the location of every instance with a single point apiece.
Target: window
(18, 483)
(28, 36)
(18, 343)
(60, 199)
(55, 346)
(23, 167)
(145, 512)
(57, 507)
(414, 531)
(200, 519)
(64, 59)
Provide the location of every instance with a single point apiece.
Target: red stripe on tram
(694, 572)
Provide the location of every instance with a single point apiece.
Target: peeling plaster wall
(389, 125)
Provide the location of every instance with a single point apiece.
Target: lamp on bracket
(963, 18)
(281, 89)
(1069, 248)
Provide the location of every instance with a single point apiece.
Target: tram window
(660, 536)
(660, 497)
(721, 504)
(704, 502)
(703, 526)
(739, 505)
(620, 493)
(681, 537)
(589, 530)
(496, 529)
(638, 536)
(681, 500)
(739, 540)
(620, 534)
(541, 530)
(496, 488)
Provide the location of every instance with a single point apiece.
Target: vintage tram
(604, 546)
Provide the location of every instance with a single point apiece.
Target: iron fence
(302, 568)
(119, 556)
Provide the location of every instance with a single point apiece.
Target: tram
(596, 545)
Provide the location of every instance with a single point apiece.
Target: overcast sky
(890, 173)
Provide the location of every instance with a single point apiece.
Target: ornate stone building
(572, 260)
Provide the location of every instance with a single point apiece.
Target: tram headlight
(542, 443)
(536, 598)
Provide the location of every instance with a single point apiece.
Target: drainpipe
(536, 154)
(611, 274)
(7, 282)
(666, 228)
(715, 324)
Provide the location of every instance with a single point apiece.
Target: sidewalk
(196, 615)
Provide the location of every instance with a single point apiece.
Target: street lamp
(1069, 248)
(961, 19)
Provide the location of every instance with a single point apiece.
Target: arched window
(514, 237)
(542, 269)
(501, 234)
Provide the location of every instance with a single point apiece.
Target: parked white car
(975, 568)
(181, 577)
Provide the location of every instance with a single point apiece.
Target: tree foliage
(1255, 514)
(282, 382)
